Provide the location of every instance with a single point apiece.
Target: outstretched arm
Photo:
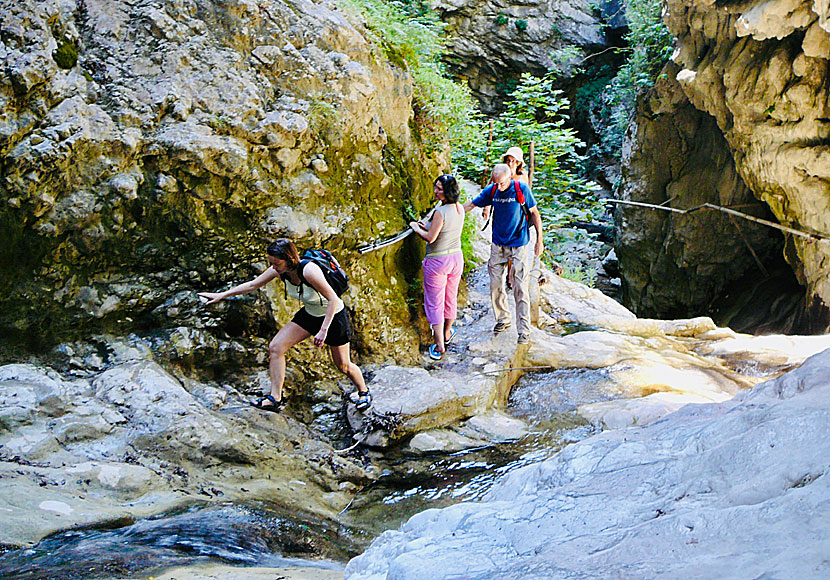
(243, 288)
(314, 276)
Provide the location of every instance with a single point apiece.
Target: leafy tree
(536, 112)
(412, 35)
(650, 45)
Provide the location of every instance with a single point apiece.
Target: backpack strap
(300, 268)
(520, 196)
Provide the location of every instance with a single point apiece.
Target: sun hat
(515, 153)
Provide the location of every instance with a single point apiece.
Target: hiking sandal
(275, 406)
(434, 354)
(453, 332)
(364, 401)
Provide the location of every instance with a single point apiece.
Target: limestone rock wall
(150, 148)
(494, 42)
(761, 70)
(675, 156)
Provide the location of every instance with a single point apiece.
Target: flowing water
(233, 534)
(262, 535)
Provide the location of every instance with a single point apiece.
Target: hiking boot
(523, 338)
(501, 327)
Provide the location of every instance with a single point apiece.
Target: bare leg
(288, 336)
(448, 322)
(343, 363)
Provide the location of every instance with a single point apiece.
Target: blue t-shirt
(510, 226)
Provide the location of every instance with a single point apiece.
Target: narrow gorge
(675, 426)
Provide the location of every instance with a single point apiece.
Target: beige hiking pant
(499, 255)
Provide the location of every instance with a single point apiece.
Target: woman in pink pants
(444, 262)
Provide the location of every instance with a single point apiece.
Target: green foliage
(412, 35)
(468, 234)
(587, 276)
(536, 112)
(322, 115)
(521, 25)
(563, 60)
(501, 19)
(650, 45)
(409, 213)
(66, 55)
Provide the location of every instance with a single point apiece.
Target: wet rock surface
(132, 442)
(685, 486)
(123, 442)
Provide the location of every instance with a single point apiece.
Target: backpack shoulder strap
(303, 263)
(520, 196)
(300, 267)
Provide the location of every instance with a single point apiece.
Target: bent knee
(277, 348)
(343, 367)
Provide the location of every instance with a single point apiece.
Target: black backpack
(335, 274)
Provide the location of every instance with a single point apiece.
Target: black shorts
(340, 330)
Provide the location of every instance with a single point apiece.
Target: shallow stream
(262, 535)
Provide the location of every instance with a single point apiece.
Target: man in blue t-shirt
(511, 236)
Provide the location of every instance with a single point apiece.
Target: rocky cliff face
(151, 148)
(761, 71)
(495, 42)
(682, 264)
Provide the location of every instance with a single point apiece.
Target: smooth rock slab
(738, 489)
(409, 400)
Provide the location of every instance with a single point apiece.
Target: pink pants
(442, 275)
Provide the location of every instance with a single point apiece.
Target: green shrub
(536, 112)
(583, 276)
(468, 234)
(501, 19)
(650, 45)
(521, 25)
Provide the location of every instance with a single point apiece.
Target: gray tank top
(449, 238)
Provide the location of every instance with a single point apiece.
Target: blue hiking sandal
(453, 332)
(364, 401)
(433, 352)
(275, 406)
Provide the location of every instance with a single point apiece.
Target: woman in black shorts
(322, 316)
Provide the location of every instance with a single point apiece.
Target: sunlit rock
(685, 487)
